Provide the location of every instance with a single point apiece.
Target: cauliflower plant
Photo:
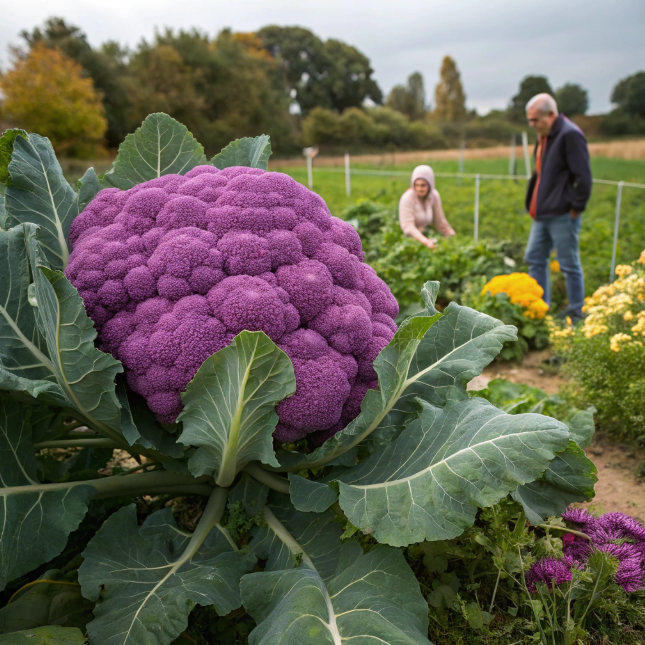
(172, 269)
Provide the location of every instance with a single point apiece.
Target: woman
(420, 207)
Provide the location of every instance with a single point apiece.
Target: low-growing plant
(516, 299)
(287, 443)
(605, 356)
(406, 265)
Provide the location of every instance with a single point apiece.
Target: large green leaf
(23, 349)
(160, 146)
(253, 152)
(582, 426)
(361, 599)
(35, 518)
(229, 407)
(85, 374)
(310, 495)
(39, 193)
(428, 484)
(50, 635)
(570, 478)
(88, 187)
(54, 600)
(148, 580)
(3, 212)
(454, 351)
(317, 533)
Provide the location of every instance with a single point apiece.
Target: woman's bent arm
(439, 218)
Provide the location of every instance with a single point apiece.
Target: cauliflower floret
(172, 269)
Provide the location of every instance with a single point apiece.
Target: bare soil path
(619, 487)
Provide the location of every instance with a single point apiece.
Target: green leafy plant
(605, 356)
(308, 540)
(406, 265)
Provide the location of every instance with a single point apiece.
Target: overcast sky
(495, 43)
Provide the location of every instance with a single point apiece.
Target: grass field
(501, 209)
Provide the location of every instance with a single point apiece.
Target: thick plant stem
(563, 528)
(139, 484)
(77, 443)
(210, 517)
(264, 477)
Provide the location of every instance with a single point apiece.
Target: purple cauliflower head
(172, 269)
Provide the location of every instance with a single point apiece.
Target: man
(557, 194)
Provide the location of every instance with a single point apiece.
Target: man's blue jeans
(563, 233)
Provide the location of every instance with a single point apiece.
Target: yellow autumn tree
(45, 92)
(450, 101)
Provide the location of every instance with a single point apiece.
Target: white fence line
(477, 177)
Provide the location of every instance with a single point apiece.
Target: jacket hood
(423, 172)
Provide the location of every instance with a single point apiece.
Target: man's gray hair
(544, 102)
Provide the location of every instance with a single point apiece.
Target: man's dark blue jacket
(565, 182)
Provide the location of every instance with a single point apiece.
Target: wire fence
(478, 177)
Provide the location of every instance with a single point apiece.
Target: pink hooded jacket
(415, 215)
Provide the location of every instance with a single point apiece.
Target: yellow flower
(616, 339)
(522, 290)
(627, 316)
(641, 259)
(623, 270)
(554, 266)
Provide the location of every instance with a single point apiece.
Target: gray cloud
(495, 43)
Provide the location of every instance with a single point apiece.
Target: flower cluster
(615, 534)
(522, 290)
(618, 308)
(550, 571)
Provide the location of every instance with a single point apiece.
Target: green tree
(450, 100)
(221, 89)
(45, 92)
(572, 99)
(107, 67)
(327, 74)
(529, 87)
(629, 94)
(409, 99)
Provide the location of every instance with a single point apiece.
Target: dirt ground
(618, 487)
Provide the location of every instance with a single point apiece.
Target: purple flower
(549, 571)
(615, 534)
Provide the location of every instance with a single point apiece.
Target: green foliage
(605, 357)
(409, 99)
(329, 74)
(449, 97)
(316, 565)
(572, 99)
(629, 94)
(364, 129)
(105, 66)
(405, 265)
(529, 87)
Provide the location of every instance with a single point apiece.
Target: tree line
(283, 81)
